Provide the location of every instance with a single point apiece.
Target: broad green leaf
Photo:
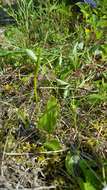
(6, 52)
(86, 185)
(52, 145)
(70, 161)
(62, 83)
(80, 170)
(31, 54)
(90, 175)
(48, 120)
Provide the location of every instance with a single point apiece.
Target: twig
(41, 188)
(30, 154)
(3, 156)
(44, 188)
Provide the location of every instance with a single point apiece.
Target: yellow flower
(8, 87)
(87, 30)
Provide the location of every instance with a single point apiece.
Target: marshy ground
(53, 98)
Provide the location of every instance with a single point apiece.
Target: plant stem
(36, 75)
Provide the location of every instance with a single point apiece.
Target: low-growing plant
(68, 59)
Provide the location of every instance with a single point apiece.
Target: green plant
(36, 60)
(80, 169)
(49, 119)
(48, 122)
(31, 54)
(66, 58)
